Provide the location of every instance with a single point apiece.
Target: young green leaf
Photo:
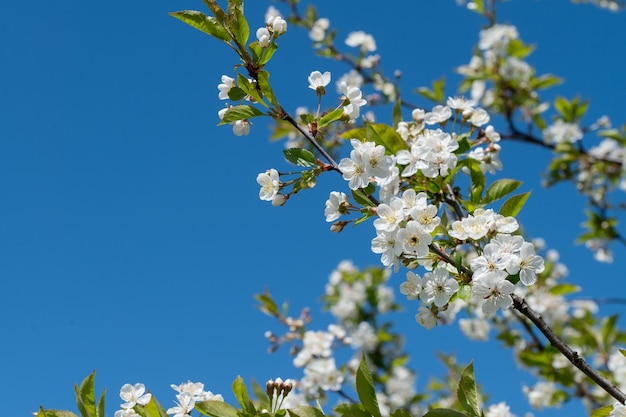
(300, 157)
(239, 26)
(264, 83)
(330, 117)
(215, 408)
(268, 305)
(500, 188)
(382, 134)
(86, 396)
(306, 411)
(443, 412)
(602, 411)
(468, 392)
(365, 388)
(242, 112)
(241, 393)
(351, 410)
(100, 411)
(514, 204)
(154, 409)
(54, 413)
(203, 23)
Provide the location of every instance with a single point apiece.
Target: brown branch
(520, 305)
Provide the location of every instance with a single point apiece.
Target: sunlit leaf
(203, 23)
(468, 391)
(242, 112)
(365, 388)
(514, 204)
(500, 188)
(300, 157)
(215, 408)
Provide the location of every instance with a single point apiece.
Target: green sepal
(215, 408)
(241, 112)
(203, 23)
(467, 391)
(300, 157)
(514, 204)
(365, 388)
(500, 188)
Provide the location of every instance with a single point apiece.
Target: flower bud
(338, 226)
(279, 200)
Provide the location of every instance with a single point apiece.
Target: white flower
(389, 215)
(499, 410)
(355, 96)
(497, 38)
(279, 25)
(494, 291)
(414, 239)
(541, 394)
(225, 86)
(527, 264)
(412, 286)
(319, 81)
(336, 205)
(126, 412)
(475, 328)
(184, 405)
(388, 245)
(438, 287)
(479, 117)
(134, 394)
(322, 373)
(426, 318)
(270, 184)
(241, 127)
(318, 30)
(263, 35)
(361, 39)
(364, 337)
(426, 217)
(561, 132)
(439, 114)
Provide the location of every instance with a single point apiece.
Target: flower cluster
(189, 393)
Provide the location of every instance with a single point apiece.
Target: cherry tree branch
(520, 305)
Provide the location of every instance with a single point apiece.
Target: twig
(523, 307)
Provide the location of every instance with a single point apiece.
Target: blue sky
(133, 238)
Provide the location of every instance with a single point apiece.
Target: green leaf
(267, 53)
(468, 392)
(500, 188)
(250, 88)
(86, 396)
(465, 292)
(239, 26)
(330, 117)
(351, 410)
(54, 413)
(478, 180)
(443, 412)
(383, 134)
(241, 393)
(216, 10)
(401, 412)
(101, 403)
(236, 94)
(564, 289)
(437, 92)
(514, 204)
(544, 81)
(154, 409)
(602, 411)
(300, 157)
(362, 198)
(396, 114)
(622, 351)
(608, 329)
(268, 305)
(215, 408)
(365, 388)
(241, 112)
(203, 23)
(264, 83)
(306, 411)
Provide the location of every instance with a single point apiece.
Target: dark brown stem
(520, 305)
